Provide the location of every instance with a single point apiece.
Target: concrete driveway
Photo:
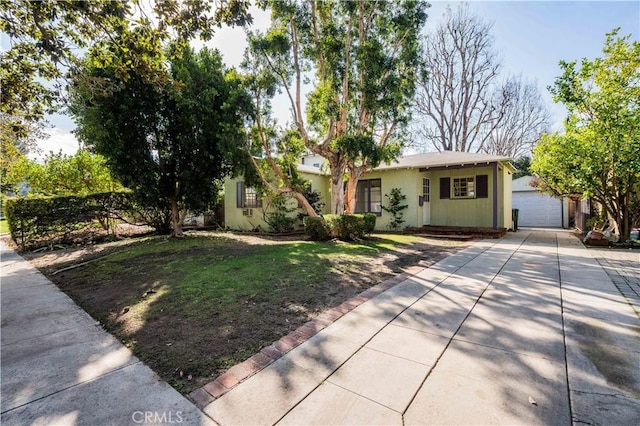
(525, 330)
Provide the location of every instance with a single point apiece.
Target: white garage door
(537, 210)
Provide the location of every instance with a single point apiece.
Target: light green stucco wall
(477, 212)
(410, 182)
(444, 212)
(321, 184)
(234, 219)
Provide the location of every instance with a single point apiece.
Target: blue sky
(530, 37)
(533, 37)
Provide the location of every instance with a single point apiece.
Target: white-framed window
(426, 190)
(369, 196)
(247, 196)
(463, 187)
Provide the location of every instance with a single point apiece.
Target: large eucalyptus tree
(360, 60)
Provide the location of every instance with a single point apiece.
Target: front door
(426, 206)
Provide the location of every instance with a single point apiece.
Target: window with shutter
(464, 187)
(239, 195)
(247, 197)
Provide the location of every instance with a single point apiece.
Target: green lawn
(4, 226)
(200, 304)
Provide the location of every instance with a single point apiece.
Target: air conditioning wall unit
(247, 212)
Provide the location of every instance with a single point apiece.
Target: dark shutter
(445, 188)
(482, 186)
(240, 195)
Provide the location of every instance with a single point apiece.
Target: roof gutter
(457, 166)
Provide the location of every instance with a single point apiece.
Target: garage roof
(523, 184)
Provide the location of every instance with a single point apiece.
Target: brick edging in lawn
(240, 372)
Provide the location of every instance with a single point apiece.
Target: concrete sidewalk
(59, 367)
(525, 330)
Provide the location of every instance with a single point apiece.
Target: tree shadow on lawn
(192, 308)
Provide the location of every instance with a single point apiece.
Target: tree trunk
(350, 195)
(337, 195)
(355, 173)
(625, 217)
(308, 208)
(337, 166)
(176, 219)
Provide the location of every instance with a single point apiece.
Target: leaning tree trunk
(308, 208)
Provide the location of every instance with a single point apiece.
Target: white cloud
(59, 140)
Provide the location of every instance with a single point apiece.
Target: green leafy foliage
(369, 222)
(523, 166)
(598, 156)
(46, 36)
(278, 214)
(38, 221)
(171, 144)
(396, 207)
(11, 159)
(315, 199)
(361, 59)
(349, 227)
(317, 228)
(365, 148)
(80, 174)
(333, 222)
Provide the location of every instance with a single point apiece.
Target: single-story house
(443, 189)
(538, 210)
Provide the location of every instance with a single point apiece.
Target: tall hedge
(36, 220)
(346, 227)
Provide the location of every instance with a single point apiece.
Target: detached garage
(538, 210)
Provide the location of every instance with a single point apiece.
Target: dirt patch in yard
(194, 307)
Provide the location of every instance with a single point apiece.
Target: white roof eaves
(303, 168)
(455, 160)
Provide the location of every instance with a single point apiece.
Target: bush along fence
(40, 221)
